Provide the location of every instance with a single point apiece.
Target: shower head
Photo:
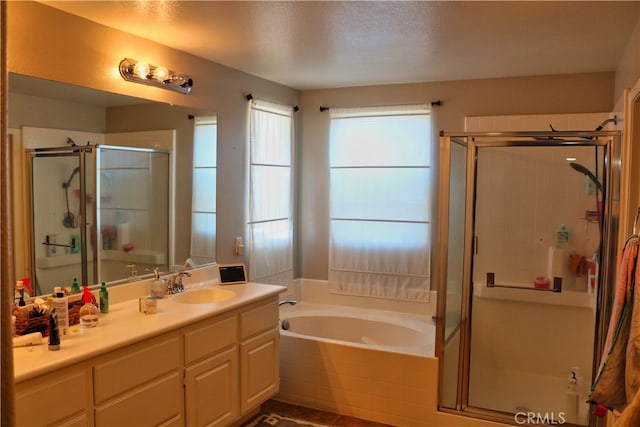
(68, 182)
(587, 172)
(613, 120)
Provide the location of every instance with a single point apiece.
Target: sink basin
(204, 296)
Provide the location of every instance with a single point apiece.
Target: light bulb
(161, 74)
(141, 69)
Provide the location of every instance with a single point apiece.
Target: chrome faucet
(175, 285)
(288, 301)
(133, 271)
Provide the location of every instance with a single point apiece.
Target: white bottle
(61, 304)
(572, 408)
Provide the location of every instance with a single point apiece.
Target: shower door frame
(70, 151)
(611, 141)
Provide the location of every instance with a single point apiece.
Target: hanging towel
(617, 380)
(630, 417)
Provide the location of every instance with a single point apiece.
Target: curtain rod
(433, 104)
(249, 97)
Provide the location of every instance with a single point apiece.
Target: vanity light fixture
(142, 72)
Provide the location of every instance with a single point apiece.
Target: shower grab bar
(556, 287)
(58, 244)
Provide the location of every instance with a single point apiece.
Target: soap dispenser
(158, 286)
(89, 314)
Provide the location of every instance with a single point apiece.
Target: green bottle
(104, 298)
(75, 288)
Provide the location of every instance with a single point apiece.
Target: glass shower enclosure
(528, 235)
(97, 214)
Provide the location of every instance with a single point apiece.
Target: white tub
(360, 327)
(371, 364)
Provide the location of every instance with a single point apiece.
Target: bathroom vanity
(195, 362)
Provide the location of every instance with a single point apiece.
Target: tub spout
(288, 301)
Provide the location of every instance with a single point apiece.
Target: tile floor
(315, 416)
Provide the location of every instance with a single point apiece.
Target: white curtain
(380, 202)
(270, 193)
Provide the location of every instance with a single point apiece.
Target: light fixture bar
(141, 72)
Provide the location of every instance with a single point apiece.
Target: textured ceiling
(309, 44)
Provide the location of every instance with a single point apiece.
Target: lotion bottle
(61, 305)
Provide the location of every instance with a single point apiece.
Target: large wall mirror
(135, 180)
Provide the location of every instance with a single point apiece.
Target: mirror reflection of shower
(69, 219)
(106, 218)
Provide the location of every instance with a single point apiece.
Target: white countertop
(125, 325)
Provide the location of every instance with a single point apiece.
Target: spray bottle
(89, 314)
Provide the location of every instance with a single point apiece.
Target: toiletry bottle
(54, 331)
(89, 314)
(20, 293)
(104, 298)
(562, 237)
(573, 398)
(61, 305)
(158, 287)
(75, 287)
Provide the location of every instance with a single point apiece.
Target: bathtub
(371, 364)
(359, 327)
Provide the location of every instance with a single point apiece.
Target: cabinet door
(259, 370)
(211, 390)
(156, 403)
(55, 389)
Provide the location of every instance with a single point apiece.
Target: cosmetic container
(61, 305)
(54, 331)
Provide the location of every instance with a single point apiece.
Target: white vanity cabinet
(67, 394)
(211, 372)
(259, 355)
(140, 384)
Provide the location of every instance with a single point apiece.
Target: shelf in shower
(140, 256)
(58, 260)
(524, 295)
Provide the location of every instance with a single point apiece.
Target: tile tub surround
(124, 325)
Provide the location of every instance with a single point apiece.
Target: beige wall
(533, 95)
(628, 71)
(47, 43)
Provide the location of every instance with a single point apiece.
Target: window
(270, 200)
(203, 210)
(380, 202)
